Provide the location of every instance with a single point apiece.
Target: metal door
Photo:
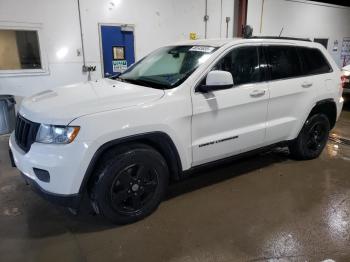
(117, 50)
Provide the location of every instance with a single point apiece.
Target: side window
(243, 63)
(313, 61)
(283, 62)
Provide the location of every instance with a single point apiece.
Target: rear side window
(283, 62)
(313, 61)
(243, 64)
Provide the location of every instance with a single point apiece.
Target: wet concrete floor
(262, 208)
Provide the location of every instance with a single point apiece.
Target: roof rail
(280, 38)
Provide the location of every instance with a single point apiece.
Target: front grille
(25, 133)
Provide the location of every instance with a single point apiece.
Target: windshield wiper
(137, 82)
(115, 76)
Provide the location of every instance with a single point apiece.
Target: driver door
(232, 121)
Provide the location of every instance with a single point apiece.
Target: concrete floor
(263, 208)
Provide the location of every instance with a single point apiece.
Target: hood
(63, 104)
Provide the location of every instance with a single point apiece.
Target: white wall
(300, 18)
(157, 23)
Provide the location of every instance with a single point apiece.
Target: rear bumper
(346, 91)
(72, 201)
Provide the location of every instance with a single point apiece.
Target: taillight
(344, 79)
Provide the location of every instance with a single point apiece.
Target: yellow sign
(193, 36)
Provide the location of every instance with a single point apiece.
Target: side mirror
(216, 80)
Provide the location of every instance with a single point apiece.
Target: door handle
(257, 93)
(306, 84)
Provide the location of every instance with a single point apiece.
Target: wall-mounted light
(62, 52)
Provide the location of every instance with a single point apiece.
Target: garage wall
(157, 23)
(300, 18)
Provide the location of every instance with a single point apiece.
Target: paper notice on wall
(119, 66)
(335, 46)
(193, 36)
(345, 51)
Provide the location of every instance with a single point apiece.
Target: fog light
(42, 175)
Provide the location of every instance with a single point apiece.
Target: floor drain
(339, 140)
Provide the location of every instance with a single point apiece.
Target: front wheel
(129, 183)
(312, 138)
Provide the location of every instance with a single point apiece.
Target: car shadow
(86, 221)
(217, 173)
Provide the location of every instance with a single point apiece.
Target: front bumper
(71, 201)
(66, 165)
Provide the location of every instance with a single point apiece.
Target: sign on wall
(118, 52)
(119, 66)
(345, 51)
(193, 36)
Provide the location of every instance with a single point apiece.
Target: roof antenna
(281, 32)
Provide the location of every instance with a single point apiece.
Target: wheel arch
(327, 107)
(160, 141)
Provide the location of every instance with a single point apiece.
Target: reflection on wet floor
(339, 140)
(338, 147)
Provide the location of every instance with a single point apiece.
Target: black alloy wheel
(312, 138)
(317, 135)
(133, 188)
(129, 183)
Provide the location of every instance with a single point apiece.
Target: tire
(129, 183)
(312, 138)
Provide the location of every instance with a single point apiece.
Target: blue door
(117, 49)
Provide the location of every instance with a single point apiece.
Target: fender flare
(326, 102)
(158, 140)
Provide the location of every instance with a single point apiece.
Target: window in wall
(243, 63)
(19, 50)
(313, 61)
(284, 62)
(322, 41)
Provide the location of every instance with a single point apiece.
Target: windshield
(167, 67)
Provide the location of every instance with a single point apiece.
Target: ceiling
(336, 2)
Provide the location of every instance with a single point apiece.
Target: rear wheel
(129, 183)
(312, 138)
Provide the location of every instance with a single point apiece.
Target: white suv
(122, 140)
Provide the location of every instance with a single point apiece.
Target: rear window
(313, 61)
(283, 62)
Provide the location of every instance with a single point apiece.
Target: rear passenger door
(294, 84)
(316, 67)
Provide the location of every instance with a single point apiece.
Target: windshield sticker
(204, 49)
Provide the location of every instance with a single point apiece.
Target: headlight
(50, 134)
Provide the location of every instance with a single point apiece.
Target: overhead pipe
(227, 21)
(206, 18)
(261, 16)
(220, 18)
(85, 68)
